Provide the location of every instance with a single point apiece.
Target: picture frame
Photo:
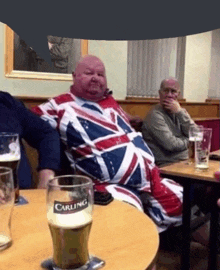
(11, 72)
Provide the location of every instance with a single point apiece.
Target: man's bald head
(171, 81)
(89, 78)
(87, 59)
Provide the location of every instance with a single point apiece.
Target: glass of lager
(10, 156)
(202, 150)
(7, 196)
(195, 134)
(69, 212)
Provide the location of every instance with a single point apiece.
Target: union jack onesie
(100, 142)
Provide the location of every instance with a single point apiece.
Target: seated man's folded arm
(185, 121)
(161, 133)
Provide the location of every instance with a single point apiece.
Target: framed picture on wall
(22, 61)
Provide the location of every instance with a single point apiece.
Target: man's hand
(2, 197)
(172, 105)
(44, 176)
(136, 122)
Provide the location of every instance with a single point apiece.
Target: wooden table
(121, 235)
(217, 152)
(187, 175)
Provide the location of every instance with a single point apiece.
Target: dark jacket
(15, 117)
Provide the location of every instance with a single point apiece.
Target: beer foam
(202, 166)
(9, 157)
(4, 239)
(71, 220)
(197, 139)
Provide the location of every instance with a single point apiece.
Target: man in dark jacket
(15, 117)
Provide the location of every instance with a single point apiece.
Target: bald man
(166, 126)
(100, 143)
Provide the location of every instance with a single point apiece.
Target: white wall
(197, 67)
(114, 56)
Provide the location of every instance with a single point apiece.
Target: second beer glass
(69, 213)
(7, 197)
(10, 156)
(195, 134)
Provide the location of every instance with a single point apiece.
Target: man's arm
(156, 125)
(184, 118)
(40, 135)
(135, 121)
(44, 176)
(185, 121)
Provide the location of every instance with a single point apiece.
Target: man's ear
(74, 76)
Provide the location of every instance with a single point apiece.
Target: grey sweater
(167, 134)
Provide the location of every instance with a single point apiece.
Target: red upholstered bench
(213, 123)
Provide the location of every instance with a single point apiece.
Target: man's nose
(94, 77)
(169, 93)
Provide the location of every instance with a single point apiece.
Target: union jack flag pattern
(101, 144)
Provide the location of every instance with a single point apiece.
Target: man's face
(89, 79)
(170, 91)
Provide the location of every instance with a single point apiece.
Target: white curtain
(214, 83)
(151, 61)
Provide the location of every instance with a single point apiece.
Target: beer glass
(202, 150)
(6, 205)
(69, 213)
(10, 156)
(195, 134)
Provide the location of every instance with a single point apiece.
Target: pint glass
(69, 213)
(10, 156)
(202, 150)
(195, 134)
(6, 205)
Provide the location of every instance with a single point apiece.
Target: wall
(197, 67)
(113, 53)
(114, 56)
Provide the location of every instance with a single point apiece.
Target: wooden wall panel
(141, 108)
(195, 109)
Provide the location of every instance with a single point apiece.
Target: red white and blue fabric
(101, 144)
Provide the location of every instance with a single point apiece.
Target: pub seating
(217, 175)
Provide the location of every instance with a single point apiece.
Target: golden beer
(191, 149)
(70, 235)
